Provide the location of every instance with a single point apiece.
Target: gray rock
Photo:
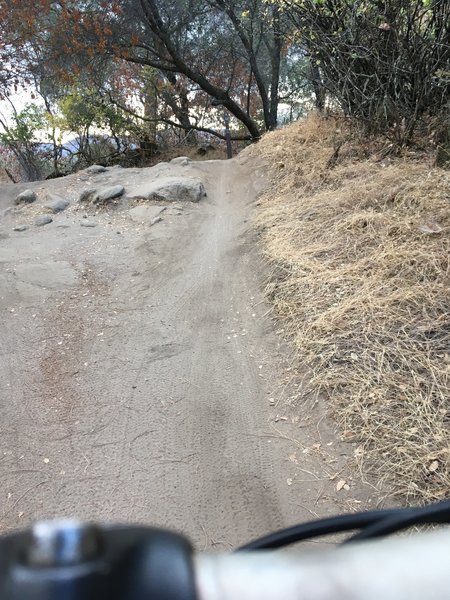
(108, 194)
(87, 195)
(172, 189)
(55, 203)
(96, 169)
(88, 224)
(181, 160)
(26, 197)
(43, 220)
(20, 228)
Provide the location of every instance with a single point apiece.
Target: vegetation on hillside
(360, 255)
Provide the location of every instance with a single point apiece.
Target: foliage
(89, 115)
(229, 51)
(133, 68)
(387, 62)
(9, 164)
(20, 137)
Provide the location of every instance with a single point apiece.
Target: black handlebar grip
(130, 563)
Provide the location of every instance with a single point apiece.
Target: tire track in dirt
(142, 393)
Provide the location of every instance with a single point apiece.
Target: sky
(19, 100)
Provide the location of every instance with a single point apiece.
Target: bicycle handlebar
(68, 560)
(408, 568)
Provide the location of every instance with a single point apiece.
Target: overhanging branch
(234, 138)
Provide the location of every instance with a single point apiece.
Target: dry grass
(361, 279)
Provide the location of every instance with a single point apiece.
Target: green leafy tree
(22, 134)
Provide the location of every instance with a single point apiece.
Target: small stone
(43, 220)
(96, 169)
(156, 220)
(88, 224)
(26, 197)
(20, 228)
(56, 204)
(87, 195)
(108, 194)
(180, 160)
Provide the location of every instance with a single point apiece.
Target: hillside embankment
(358, 243)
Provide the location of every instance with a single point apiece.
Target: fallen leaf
(430, 228)
(434, 466)
(340, 484)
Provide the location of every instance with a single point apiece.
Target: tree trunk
(275, 74)
(180, 108)
(317, 85)
(150, 104)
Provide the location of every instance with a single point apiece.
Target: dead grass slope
(361, 279)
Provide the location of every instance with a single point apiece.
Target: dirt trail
(137, 366)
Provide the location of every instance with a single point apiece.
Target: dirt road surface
(140, 372)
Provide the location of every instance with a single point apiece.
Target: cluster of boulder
(53, 205)
(163, 188)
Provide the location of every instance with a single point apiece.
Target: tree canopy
(133, 67)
